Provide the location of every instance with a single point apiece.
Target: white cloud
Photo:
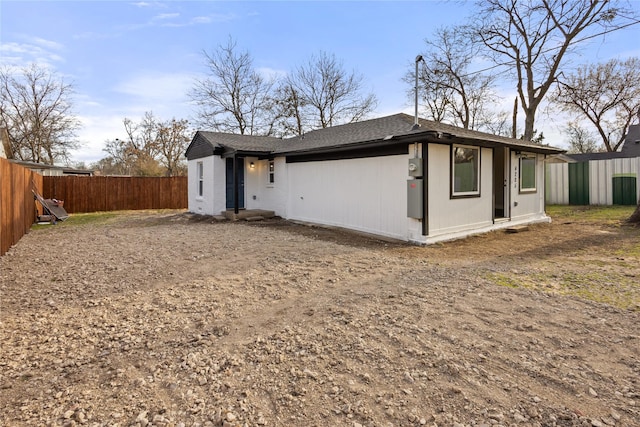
(84, 102)
(164, 94)
(157, 87)
(201, 20)
(164, 16)
(155, 4)
(170, 20)
(44, 43)
(20, 54)
(269, 73)
(96, 129)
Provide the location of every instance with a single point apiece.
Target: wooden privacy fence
(17, 205)
(115, 193)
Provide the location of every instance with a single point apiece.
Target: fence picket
(114, 193)
(17, 205)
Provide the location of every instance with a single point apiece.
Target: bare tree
(608, 95)
(534, 38)
(173, 137)
(152, 148)
(580, 139)
(327, 95)
(451, 91)
(107, 166)
(233, 97)
(500, 124)
(121, 159)
(289, 107)
(142, 136)
(36, 109)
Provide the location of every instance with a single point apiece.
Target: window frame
(452, 172)
(527, 190)
(200, 176)
(271, 173)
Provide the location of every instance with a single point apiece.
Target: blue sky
(125, 58)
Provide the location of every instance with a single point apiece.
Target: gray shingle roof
(397, 126)
(243, 142)
(389, 129)
(630, 148)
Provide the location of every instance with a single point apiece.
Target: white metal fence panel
(601, 174)
(557, 184)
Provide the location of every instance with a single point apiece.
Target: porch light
(252, 165)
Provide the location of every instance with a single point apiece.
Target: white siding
(370, 194)
(452, 216)
(367, 194)
(601, 174)
(525, 205)
(51, 172)
(557, 183)
(260, 193)
(212, 201)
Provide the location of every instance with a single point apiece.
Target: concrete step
(248, 213)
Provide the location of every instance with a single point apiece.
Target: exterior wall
(449, 216)
(260, 193)
(601, 173)
(455, 218)
(367, 194)
(46, 171)
(557, 183)
(49, 172)
(370, 194)
(527, 205)
(213, 198)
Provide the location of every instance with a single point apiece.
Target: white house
(383, 176)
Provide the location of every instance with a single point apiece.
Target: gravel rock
(153, 319)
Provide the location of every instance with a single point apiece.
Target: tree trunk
(514, 126)
(529, 123)
(635, 216)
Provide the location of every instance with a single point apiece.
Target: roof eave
(227, 153)
(540, 149)
(420, 137)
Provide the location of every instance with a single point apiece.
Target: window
(272, 172)
(200, 179)
(465, 171)
(527, 174)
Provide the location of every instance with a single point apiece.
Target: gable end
(200, 147)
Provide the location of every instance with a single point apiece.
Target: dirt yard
(163, 319)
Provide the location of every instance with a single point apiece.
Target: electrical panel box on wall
(415, 167)
(414, 198)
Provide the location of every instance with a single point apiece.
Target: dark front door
(229, 182)
(500, 182)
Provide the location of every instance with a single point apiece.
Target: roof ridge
(358, 123)
(238, 135)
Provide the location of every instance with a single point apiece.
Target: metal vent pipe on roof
(416, 125)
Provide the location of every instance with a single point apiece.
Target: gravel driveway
(164, 319)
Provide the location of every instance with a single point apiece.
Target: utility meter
(415, 167)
